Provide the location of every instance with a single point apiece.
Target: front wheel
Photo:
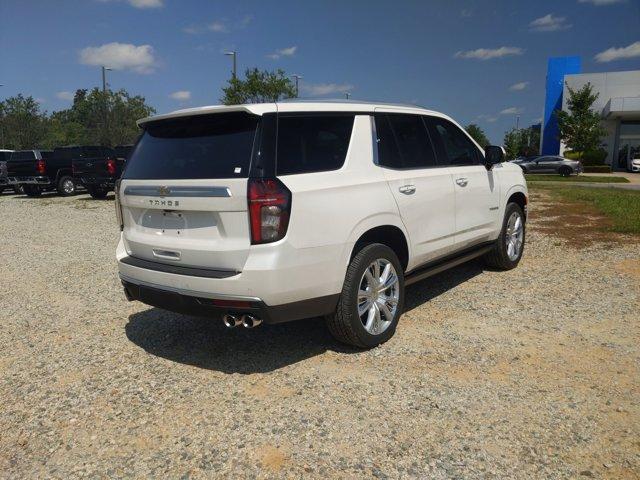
(508, 248)
(372, 298)
(66, 186)
(565, 172)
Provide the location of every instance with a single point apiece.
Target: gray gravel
(533, 373)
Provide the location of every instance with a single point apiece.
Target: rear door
(423, 190)
(476, 188)
(184, 191)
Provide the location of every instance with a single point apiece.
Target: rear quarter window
(23, 155)
(198, 147)
(312, 143)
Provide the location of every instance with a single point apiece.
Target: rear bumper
(194, 304)
(28, 180)
(98, 182)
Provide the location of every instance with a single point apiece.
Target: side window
(314, 143)
(456, 147)
(403, 142)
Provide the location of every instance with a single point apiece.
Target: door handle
(407, 189)
(462, 181)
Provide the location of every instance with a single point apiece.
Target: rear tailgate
(90, 167)
(22, 168)
(184, 191)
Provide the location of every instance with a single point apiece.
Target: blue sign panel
(557, 68)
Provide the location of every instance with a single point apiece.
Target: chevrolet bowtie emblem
(163, 191)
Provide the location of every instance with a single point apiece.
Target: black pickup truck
(99, 174)
(36, 171)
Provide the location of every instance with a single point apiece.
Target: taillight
(111, 166)
(41, 167)
(119, 219)
(269, 207)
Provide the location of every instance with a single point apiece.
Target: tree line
(95, 118)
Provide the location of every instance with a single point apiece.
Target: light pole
(106, 105)
(104, 78)
(232, 54)
(297, 77)
(517, 121)
(1, 128)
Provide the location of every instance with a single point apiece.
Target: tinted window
(92, 152)
(5, 156)
(456, 146)
(23, 155)
(403, 142)
(312, 143)
(202, 146)
(46, 153)
(67, 152)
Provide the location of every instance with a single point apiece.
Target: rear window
(67, 153)
(198, 147)
(23, 155)
(312, 143)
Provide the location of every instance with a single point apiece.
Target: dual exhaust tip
(247, 321)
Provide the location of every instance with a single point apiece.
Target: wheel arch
(520, 198)
(390, 233)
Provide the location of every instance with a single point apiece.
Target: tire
(97, 192)
(32, 190)
(346, 324)
(565, 172)
(66, 186)
(500, 256)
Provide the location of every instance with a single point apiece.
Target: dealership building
(618, 103)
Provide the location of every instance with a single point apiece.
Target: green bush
(597, 168)
(590, 157)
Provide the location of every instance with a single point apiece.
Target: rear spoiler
(255, 109)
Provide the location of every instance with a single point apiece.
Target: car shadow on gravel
(207, 343)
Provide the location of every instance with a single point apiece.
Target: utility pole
(234, 55)
(297, 77)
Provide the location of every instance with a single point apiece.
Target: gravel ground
(533, 373)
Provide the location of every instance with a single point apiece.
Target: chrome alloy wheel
(378, 296)
(514, 236)
(68, 186)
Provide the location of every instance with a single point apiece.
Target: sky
(479, 61)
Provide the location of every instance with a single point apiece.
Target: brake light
(41, 167)
(269, 208)
(119, 218)
(111, 166)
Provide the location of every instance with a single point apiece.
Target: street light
(232, 54)
(297, 77)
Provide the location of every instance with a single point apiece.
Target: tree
(478, 134)
(22, 124)
(523, 142)
(580, 127)
(258, 87)
(98, 118)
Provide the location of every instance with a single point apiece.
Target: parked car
(635, 164)
(33, 172)
(278, 212)
(98, 169)
(4, 156)
(550, 164)
(123, 151)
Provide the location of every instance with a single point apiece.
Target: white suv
(283, 211)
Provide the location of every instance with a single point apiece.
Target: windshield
(197, 147)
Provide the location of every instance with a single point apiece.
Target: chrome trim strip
(176, 191)
(191, 293)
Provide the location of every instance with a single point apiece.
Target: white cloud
(284, 52)
(218, 27)
(192, 30)
(466, 13)
(488, 118)
(600, 3)
(120, 56)
(65, 95)
(320, 89)
(142, 3)
(181, 95)
(511, 111)
(489, 53)
(611, 54)
(246, 20)
(518, 86)
(549, 23)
